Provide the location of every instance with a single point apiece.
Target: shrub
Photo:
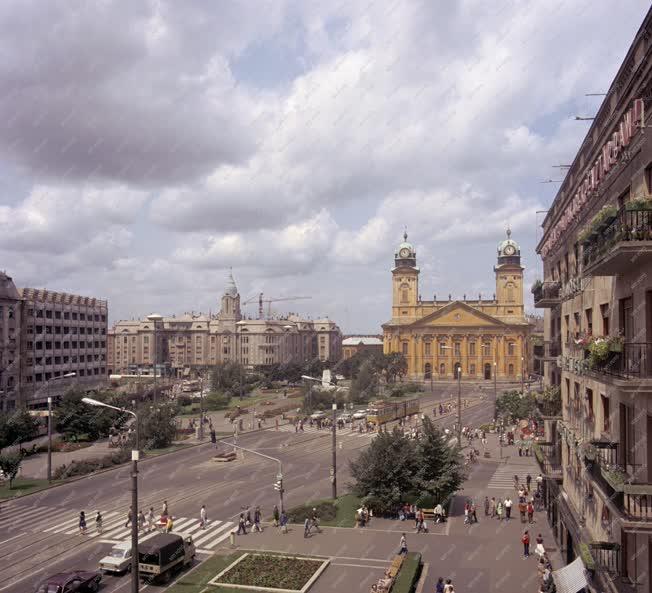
(184, 400)
(216, 400)
(88, 466)
(408, 574)
(326, 511)
(404, 389)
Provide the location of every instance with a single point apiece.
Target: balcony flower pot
(616, 344)
(639, 204)
(614, 477)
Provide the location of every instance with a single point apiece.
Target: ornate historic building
(481, 337)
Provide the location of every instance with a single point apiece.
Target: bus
(385, 411)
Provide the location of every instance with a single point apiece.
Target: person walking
(98, 522)
(516, 482)
(499, 510)
(474, 516)
(528, 481)
(248, 520)
(150, 519)
(439, 587)
(403, 549)
(525, 540)
(242, 525)
(130, 516)
(283, 522)
(306, 527)
(522, 509)
(202, 516)
(486, 506)
(275, 514)
(530, 512)
(467, 509)
(169, 526)
(257, 521)
(508, 508)
(448, 588)
(82, 523)
(165, 511)
(213, 438)
(540, 550)
(492, 507)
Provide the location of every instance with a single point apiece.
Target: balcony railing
(619, 244)
(549, 457)
(546, 294)
(632, 363)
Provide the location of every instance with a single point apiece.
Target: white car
(318, 415)
(119, 558)
(360, 415)
(345, 417)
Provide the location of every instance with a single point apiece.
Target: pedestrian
(170, 524)
(520, 451)
(522, 509)
(248, 518)
(448, 588)
(242, 525)
(165, 512)
(141, 520)
(525, 540)
(403, 546)
(528, 481)
(467, 509)
(129, 517)
(82, 523)
(202, 516)
(539, 481)
(150, 519)
(508, 508)
(439, 588)
(257, 520)
(499, 510)
(530, 512)
(275, 514)
(283, 522)
(98, 522)
(213, 438)
(306, 527)
(486, 506)
(540, 550)
(515, 482)
(474, 516)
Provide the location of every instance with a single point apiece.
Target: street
(39, 533)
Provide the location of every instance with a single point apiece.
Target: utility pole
(334, 449)
(49, 439)
(201, 405)
(459, 407)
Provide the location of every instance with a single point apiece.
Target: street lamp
(47, 384)
(333, 432)
(134, 491)
(155, 318)
(459, 406)
(495, 390)
(522, 377)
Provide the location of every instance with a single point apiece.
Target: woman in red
(525, 540)
(530, 512)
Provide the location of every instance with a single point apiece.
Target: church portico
(481, 338)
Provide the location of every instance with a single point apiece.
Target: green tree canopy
(157, 426)
(511, 404)
(365, 384)
(16, 428)
(10, 464)
(231, 378)
(74, 418)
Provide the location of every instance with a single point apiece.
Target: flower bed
(271, 572)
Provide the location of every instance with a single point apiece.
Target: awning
(571, 578)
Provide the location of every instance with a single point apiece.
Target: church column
(465, 354)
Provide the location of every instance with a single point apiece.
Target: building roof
(364, 340)
(8, 289)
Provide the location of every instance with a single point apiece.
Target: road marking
(27, 513)
(111, 514)
(217, 540)
(357, 565)
(15, 536)
(204, 538)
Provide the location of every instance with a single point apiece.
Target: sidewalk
(36, 466)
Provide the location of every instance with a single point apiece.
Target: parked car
(360, 415)
(118, 560)
(345, 417)
(73, 580)
(318, 415)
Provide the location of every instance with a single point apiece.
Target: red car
(75, 581)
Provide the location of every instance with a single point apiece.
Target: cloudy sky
(148, 146)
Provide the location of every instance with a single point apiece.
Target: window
(511, 349)
(404, 347)
(442, 369)
(578, 324)
(604, 313)
(82, 317)
(510, 292)
(486, 349)
(442, 348)
(648, 178)
(567, 327)
(510, 370)
(606, 427)
(428, 349)
(472, 349)
(589, 321)
(57, 314)
(66, 315)
(74, 316)
(589, 403)
(472, 368)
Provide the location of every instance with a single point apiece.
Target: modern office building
(200, 340)
(483, 337)
(597, 296)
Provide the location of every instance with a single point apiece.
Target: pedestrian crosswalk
(341, 433)
(49, 520)
(503, 478)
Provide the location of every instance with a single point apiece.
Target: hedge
(326, 511)
(88, 466)
(408, 574)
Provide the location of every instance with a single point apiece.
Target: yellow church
(479, 338)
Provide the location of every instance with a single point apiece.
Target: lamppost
(333, 432)
(134, 491)
(47, 384)
(201, 404)
(522, 377)
(495, 390)
(155, 318)
(459, 406)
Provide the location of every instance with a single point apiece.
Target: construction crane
(269, 302)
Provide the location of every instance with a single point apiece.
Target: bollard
(232, 538)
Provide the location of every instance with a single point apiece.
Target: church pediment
(458, 314)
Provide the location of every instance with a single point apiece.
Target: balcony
(549, 457)
(551, 351)
(546, 294)
(620, 244)
(630, 364)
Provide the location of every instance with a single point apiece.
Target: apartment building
(597, 296)
(61, 334)
(199, 340)
(10, 313)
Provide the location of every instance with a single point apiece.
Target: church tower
(509, 278)
(405, 281)
(230, 306)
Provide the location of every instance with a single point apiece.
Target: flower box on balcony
(639, 204)
(614, 477)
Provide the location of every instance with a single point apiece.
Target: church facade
(483, 339)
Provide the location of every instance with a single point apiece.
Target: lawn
(21, 486)
(339, 514)
(272, 571)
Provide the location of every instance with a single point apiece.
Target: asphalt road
(38, 533)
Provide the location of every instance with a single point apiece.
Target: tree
(73, 418)
(387, 471)
(17, 428)
(394, 365)
(10, 464)
(364, 386)
(231, 377)
(350, 367)
(217, 401)
(441, 470)
(157, 426)
(512, 404)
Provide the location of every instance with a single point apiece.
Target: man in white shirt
(508, 508)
